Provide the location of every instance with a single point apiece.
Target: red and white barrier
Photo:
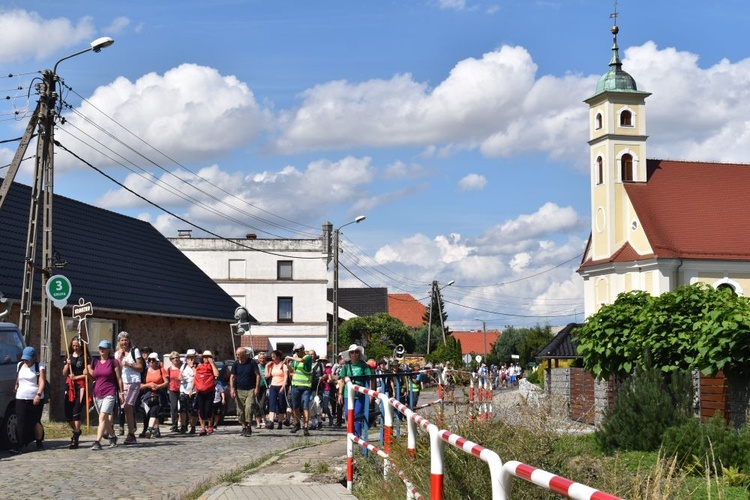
(556, 484)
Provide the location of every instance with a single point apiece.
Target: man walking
(301, 364)
(131, 363)
(243, 387)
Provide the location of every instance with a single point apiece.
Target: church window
(598, 123)
(626, 119)
(599, 171)
(627, 167)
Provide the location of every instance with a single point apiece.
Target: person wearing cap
(174, 387)
(359, 372)
(29, 389)
(243, 387)
(300, 364)
(107, 375)
(206, 374)
(154, 385)
(187, 393)
(145, 353)
(131, 363)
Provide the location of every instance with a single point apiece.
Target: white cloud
(452, 4)
(189, 113)
(119, 24)
(472, 182)
(26, 35)
(401, 170)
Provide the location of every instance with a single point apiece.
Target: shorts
(187, 404)
(301, 397)
(105, 405)
(131, 391)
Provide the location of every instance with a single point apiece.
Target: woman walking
(205, 385)
(30, 385)
(174, 387)
(75, 390)
(107, 376)
(278, 372)
(154, 386)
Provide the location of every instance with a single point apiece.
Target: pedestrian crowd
(301, 391)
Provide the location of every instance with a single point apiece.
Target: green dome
(616, 80)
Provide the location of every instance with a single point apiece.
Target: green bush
(648, 404)
(713, 445)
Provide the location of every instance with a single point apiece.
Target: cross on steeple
(614, 14)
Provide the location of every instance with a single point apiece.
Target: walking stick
(81, 330)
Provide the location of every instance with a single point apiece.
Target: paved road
(168, 467)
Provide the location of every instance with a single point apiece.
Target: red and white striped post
(552, 482)
(350, 434)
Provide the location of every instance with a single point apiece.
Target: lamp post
(335, 326)
(484, 331)
(44, 115)
(435, 295)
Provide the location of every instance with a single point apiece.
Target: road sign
(59, 290)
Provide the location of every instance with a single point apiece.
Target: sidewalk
(312, 472)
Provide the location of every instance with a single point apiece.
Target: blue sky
(457, 127)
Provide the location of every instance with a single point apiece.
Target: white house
(281, 282)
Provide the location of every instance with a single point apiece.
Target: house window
(598, 121)
(627, 167)
(599, 170)
(626, 119)
(237, 269)
(284, 270)
(285, 309)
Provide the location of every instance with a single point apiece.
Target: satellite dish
(478, 359)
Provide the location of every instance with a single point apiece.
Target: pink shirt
(105, 378)
(278, 373)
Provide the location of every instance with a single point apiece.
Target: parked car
(11, 348)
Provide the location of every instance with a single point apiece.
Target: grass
(316, 468)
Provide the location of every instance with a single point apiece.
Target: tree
(420, 340)
(525, 342)
(450, 350)
(507, 344)
(692, 327)
(379, 334)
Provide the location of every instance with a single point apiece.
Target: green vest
(415, 385)
(302, 372)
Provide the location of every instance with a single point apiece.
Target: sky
(457, 127)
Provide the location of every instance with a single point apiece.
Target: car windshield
(11, 346)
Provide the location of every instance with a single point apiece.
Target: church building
(656, 224)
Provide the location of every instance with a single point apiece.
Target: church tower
(617, 141)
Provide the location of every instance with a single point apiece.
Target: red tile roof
(406, 308)
(691, 210)
(473, 342)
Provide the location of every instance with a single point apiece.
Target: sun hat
(190, 353)
(207, 354)
(28, 353)
(153, 355)
(105, 344)
(353, 347)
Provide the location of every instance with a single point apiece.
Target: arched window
(626, 119)
(598, 121)
(626, 163)
(727, 286)
(599, 170)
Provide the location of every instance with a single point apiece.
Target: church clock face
(600, 220)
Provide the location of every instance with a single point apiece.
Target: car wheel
(9, 435)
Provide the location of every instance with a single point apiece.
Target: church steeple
(616, 79)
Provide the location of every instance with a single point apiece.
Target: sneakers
(96, 446)
(210, 430)
(147, 433)
(279, 426)
(262, 425)
(182, 429)
(203, 432)
(287, 423)
(74, 440)
(130, 439)
(112, 441)
(39, 444)
(157, 433)
(305, 431)
(320, 425)
(173, 428)
(295, 428)
(192, 429)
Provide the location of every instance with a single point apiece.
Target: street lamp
(435, 295)
(44, 117)
(484, 330)
(335, 326)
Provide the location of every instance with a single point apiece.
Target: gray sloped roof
(362, 301)
(562, 346)
(114, 261)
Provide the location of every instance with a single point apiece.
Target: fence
(500, 474)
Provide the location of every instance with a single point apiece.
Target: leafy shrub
(647, 405)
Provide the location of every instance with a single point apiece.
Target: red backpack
(204, 378)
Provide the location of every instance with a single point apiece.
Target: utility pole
(435, 295)
(335, 294)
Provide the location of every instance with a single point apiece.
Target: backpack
(317, 372)
(204, 378)
(36, 370)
